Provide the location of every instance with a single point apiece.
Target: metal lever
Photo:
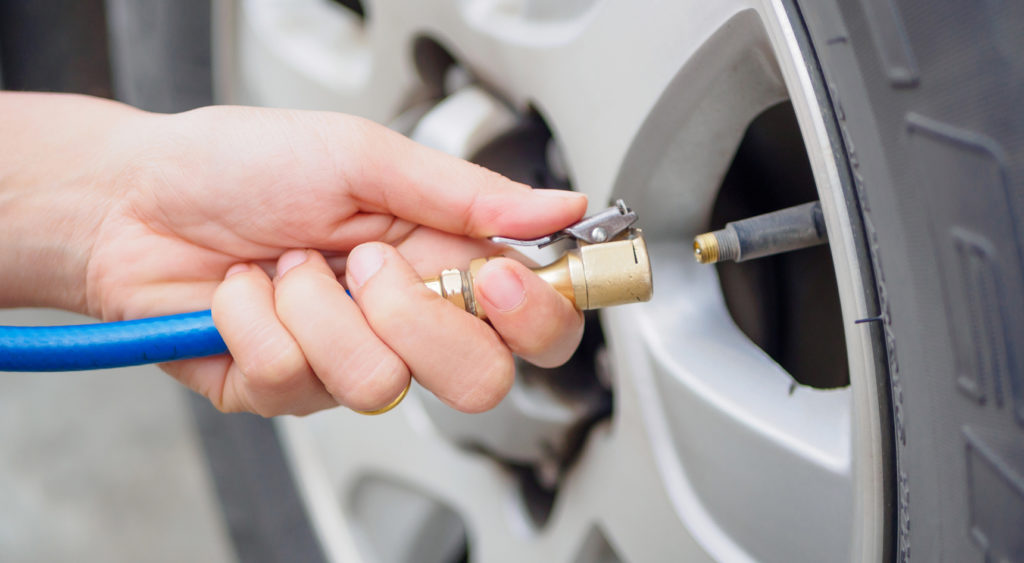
(598, 228)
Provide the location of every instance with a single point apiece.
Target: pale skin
(267, 216)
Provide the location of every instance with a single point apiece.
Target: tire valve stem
(780, 231)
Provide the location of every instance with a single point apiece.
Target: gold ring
(390, 405)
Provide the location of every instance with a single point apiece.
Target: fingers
(451, 353)
(270, 374)
(300, 344)
(428, 187)
(355, 367)
(536, 322)
(353, 168)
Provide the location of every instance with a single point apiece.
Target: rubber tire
(926, 101)
(921, 100)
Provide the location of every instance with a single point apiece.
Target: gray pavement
(102, 466)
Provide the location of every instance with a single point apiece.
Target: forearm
(57, 167)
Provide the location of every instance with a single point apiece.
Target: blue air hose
(109, 345)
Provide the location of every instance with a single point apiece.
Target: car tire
(925, 99)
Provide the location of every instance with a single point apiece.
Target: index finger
(399, 176)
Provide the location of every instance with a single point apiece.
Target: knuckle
(307, 410)
(551, 336)
(490, 384)
(357, 133)
(390, 313)
(267, 410)
(371, 383)
(536, 339)
(533, 343)
(236, 400)
(273, 369)
(296, 287)
(556, 352)
(224, 406)
(265, 404)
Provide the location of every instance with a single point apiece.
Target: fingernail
(501, 287)
(289, 260)
(362, 263)
(236, 269)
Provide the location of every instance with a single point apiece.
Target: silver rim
(709, 452)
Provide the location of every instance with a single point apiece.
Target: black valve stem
(780, 231)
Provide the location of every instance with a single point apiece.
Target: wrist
(57, 165)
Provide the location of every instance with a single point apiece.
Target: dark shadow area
(524, 154)
(355, 5)
(55, 46)
(787, 304)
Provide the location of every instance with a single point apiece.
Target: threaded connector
(718, 246)
(705, 248)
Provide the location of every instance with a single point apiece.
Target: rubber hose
(109, 345)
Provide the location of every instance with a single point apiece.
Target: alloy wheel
(678, 436)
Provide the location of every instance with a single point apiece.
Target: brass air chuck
(590, 276)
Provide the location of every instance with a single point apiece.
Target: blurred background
(102, 466)
(108, 465)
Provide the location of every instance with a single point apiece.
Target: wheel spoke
(621, 488)
(404, 447)
(709, 57)
(721, 405)
(314, 54)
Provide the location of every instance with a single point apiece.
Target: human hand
(258, 212)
